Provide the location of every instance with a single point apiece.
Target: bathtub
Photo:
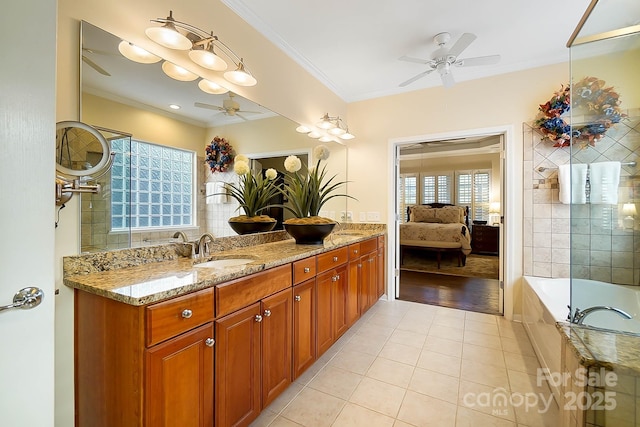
(545, 302)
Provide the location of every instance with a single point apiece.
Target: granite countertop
(612, 350)
(176, 275)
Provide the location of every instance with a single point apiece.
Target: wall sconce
(628, 209)
(494, 213)
(201, 46)
(335, 126)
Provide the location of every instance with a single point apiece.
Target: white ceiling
(353, 46)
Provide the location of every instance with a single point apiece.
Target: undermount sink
(225, 262)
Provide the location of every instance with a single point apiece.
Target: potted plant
(253, 192)
(307, 193)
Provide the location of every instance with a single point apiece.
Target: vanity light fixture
(314, 134)
(211, 87)
(303, 129)
(177, 72)
(325, 138)
(136, 53)
(182, 36)
(335, 126)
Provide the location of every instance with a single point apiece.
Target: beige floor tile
(354, 415)
(265, 418)
(519, 345)
(390, 371)
(450, 312)
(400, 353)
(365, 344)
(525, 383)
(424, 411)
(540, 416)
(482, 327)
(287, 396)
(409, 338)
(378, 396)
(452, 322)
(283, 422)
(489, 400)
(443, 345)
(438, 362)
(510, 329)
(482, 374)
(519, 362)
(385, 319)
(483, 340)
(482, 317)
(489, 356)
(447, 332)
(399, 423)
(470, 418)
(374, 331)
(312, 408)
(435, 385)
(336, 382)
(352, 361)
(308, 375)
(412, 325)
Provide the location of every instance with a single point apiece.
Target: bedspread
(438, 232)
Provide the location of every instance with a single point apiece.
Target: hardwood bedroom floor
(464, 293)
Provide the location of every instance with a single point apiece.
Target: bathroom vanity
(172, 343)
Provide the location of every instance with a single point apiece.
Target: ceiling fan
(91, 63)
(229, 107)
(443, 58)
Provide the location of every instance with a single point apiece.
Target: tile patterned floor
(405, 364)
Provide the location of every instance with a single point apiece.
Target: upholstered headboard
(441, 205)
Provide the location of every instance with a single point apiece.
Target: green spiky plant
(253, 192)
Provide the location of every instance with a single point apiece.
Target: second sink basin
(225, 262)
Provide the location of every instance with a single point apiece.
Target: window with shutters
(436, 188)
(473, 190)
(408, 192)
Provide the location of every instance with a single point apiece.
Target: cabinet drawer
(332, 259)
(369, 246)
(381, 241)
(170, 318)
(354, 251)
(304, 269)
(236, 294)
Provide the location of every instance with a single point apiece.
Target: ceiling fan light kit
(179, 35)
(443, 58)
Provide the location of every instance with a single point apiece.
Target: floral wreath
(219, 155)
(591, 94)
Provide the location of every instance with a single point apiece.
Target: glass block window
(152, 186)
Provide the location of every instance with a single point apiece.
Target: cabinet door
(277, 320)
(353, 290)
(324, 323)
(339, 302)
(380, 277)
(304, 326)
(237, 370)
(179, 390)
(372, 259)
(365, 283)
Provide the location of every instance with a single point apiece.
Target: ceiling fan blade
(95, 66)
(414, 78)
(447, 80)
(479, 60)
(242, 117)
(416, 60)
(209, 106)
(463, 42)
(250, 112)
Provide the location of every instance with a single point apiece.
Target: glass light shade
(325, 123)
(208, 59)
(210, 87)
(629, 209)
(137, 54)
(494, 207)
(177, 72)
(325, 139)
(314, 134)
(346, 135)
(303, 129)
(337, 131)
(168, 36)
(240, 76)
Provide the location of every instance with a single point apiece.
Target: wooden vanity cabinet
(304, 315)
(254, 345)
(353, 284)
(368, 273)
(380, 265)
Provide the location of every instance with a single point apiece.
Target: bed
(437, 227)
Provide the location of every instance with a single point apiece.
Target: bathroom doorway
(456, 263)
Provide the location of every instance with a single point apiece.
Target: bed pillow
(432, 220)
(423, 213)
(451, 215)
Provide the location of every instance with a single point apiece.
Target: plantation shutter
(408, 194)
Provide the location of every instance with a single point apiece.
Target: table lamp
(628, 209)
(494, 213)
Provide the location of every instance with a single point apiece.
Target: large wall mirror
(158, 182)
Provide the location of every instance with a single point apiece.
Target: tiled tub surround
(140, 276)
(589, 238)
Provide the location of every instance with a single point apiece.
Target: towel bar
(631, 164)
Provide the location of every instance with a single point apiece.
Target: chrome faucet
(181, 235)
(203, 247)
(579, 315)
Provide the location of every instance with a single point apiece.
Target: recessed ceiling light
(174, 106)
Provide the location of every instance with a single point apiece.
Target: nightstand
(485, 239)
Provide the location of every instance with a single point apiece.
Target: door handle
(25, 299)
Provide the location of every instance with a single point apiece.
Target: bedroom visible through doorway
(448, 198)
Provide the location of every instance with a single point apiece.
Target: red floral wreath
(219, 155)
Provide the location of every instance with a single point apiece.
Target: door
(27, 220)
(180, 380)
